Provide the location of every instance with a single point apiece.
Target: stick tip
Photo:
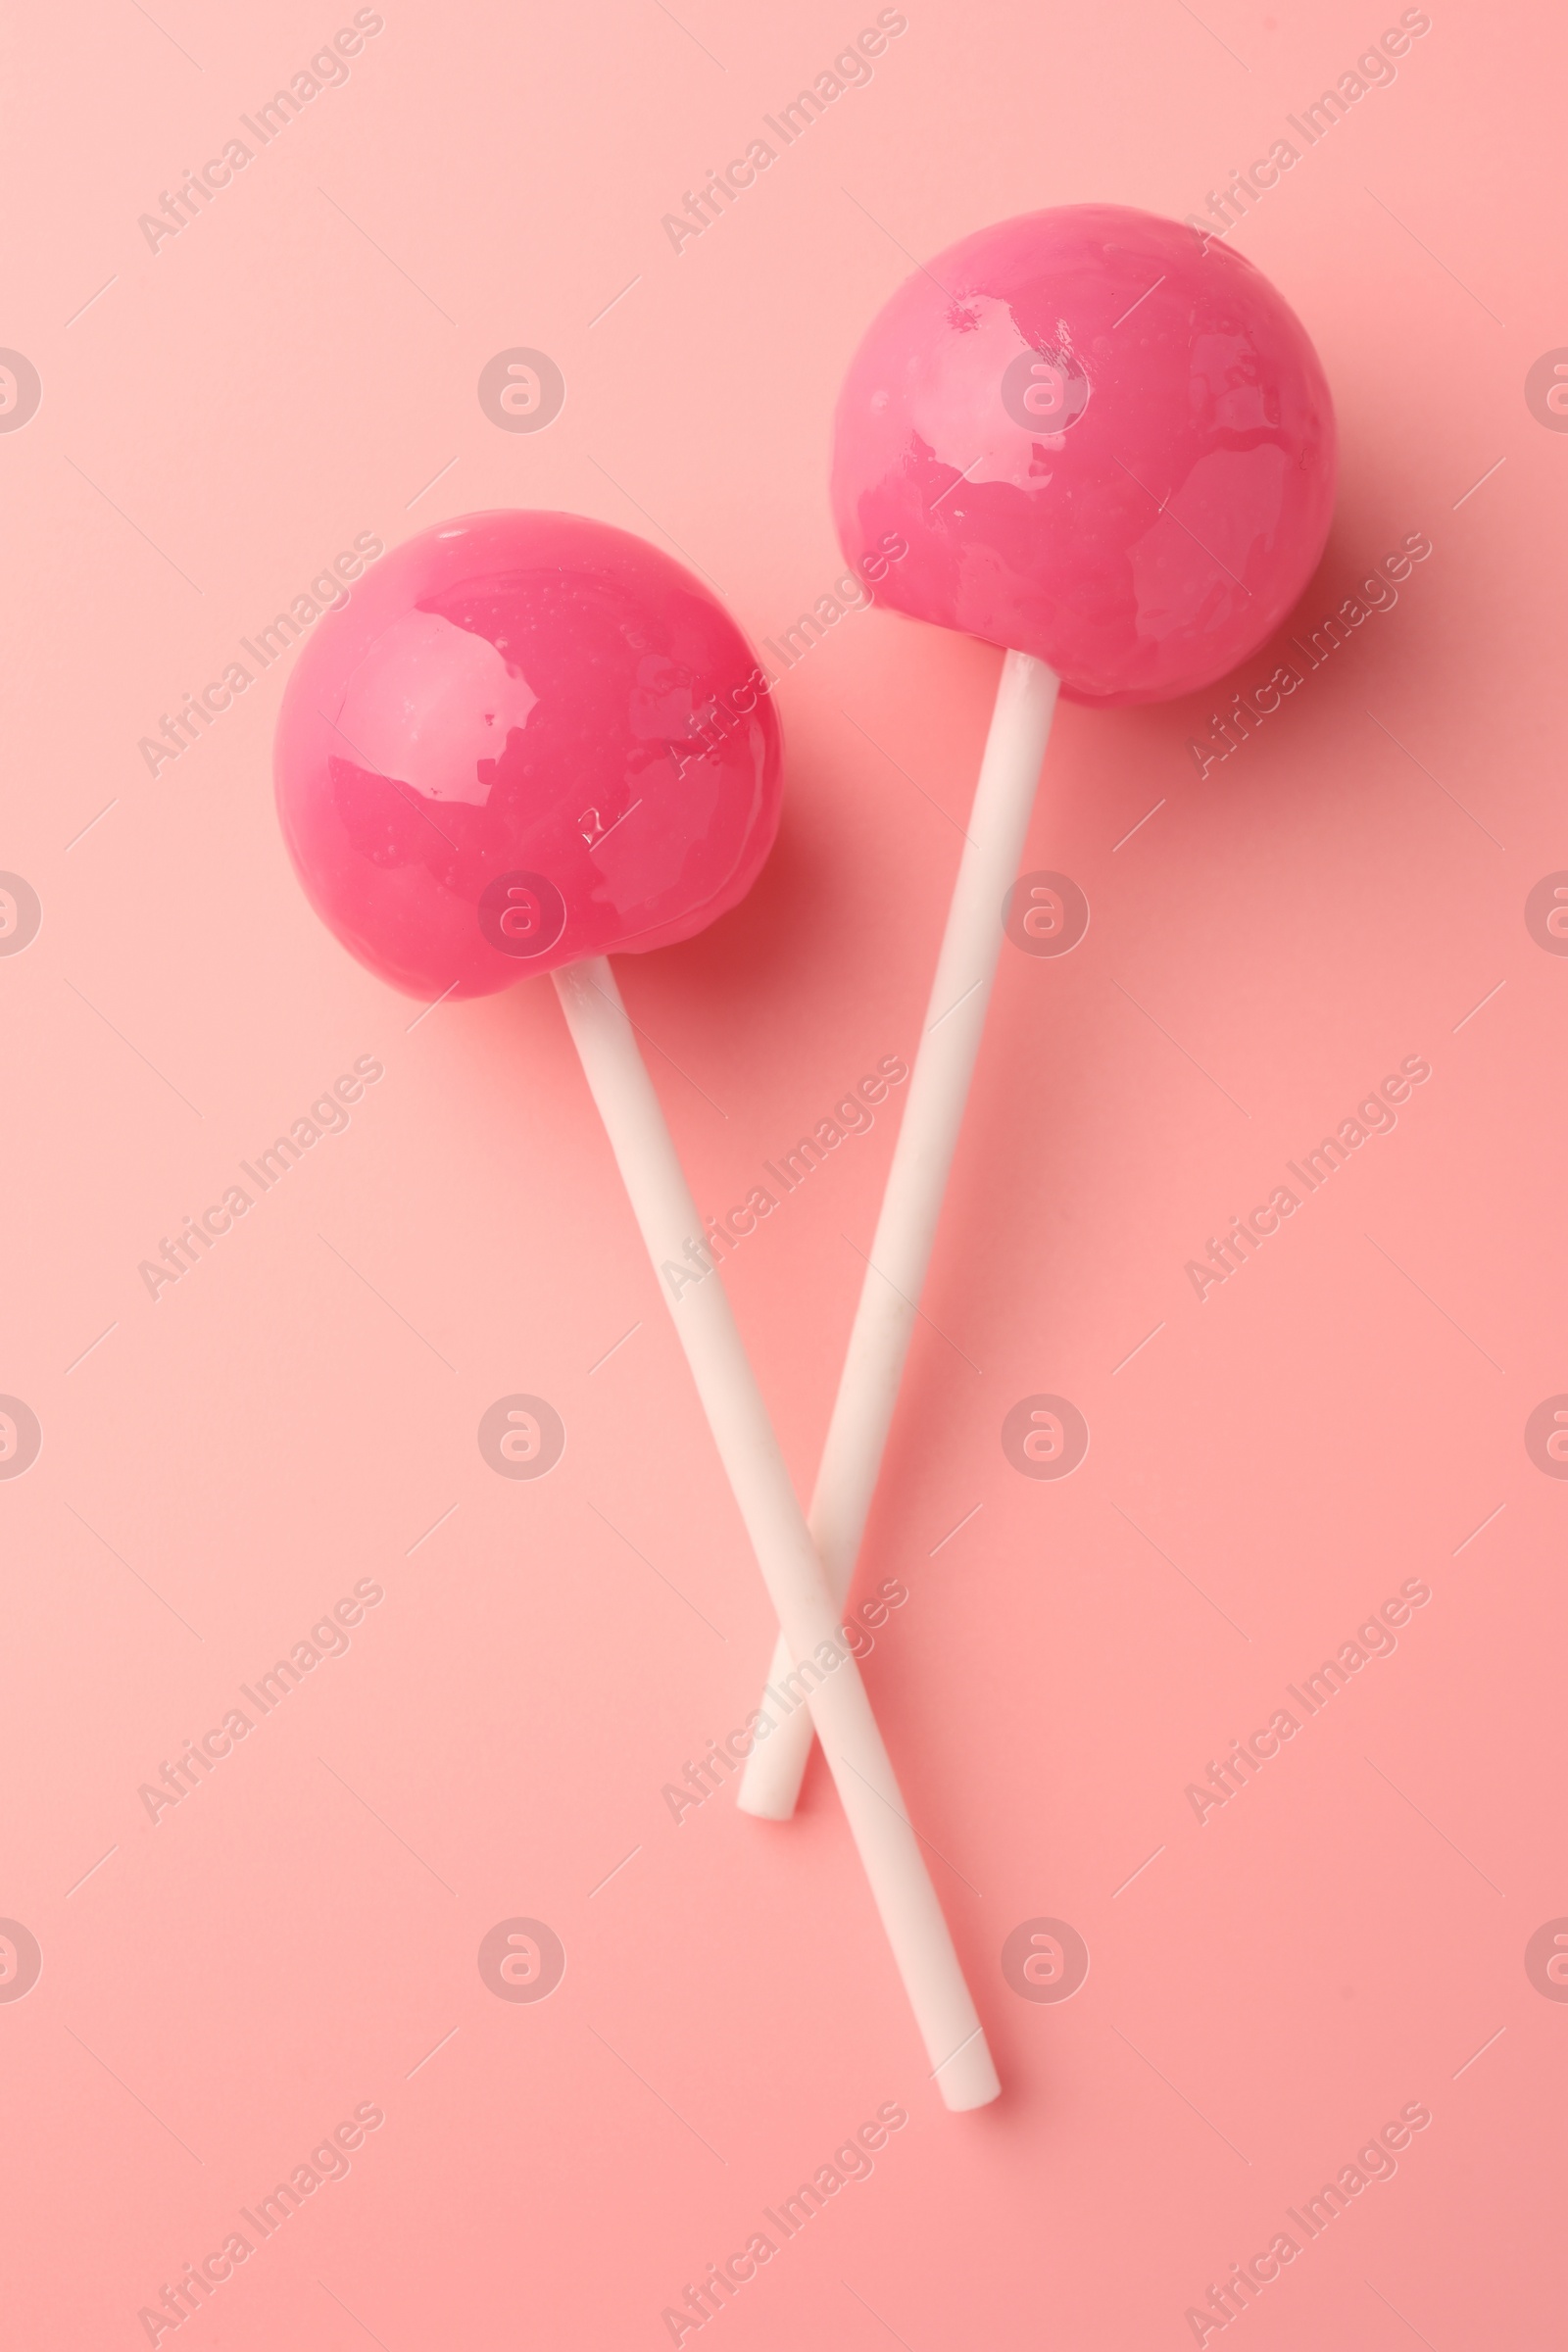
(969, 2078)
(765, 1805)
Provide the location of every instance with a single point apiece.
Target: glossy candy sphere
(525, 738)
(1102, 440)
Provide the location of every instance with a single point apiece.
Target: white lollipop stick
(796, 1587)
(939, 1087)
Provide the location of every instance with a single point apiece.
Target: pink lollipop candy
(530, 738)
(1106, 444)
(1108, 447)
(526, 740)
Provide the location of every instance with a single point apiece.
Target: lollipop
(528, 740)
(1109, 448)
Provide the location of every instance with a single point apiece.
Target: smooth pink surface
(527, 738)
(301, 1933)
(1104, 439)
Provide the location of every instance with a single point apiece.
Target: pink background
(299, 1934)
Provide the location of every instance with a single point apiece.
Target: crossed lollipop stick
(808, 1569)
